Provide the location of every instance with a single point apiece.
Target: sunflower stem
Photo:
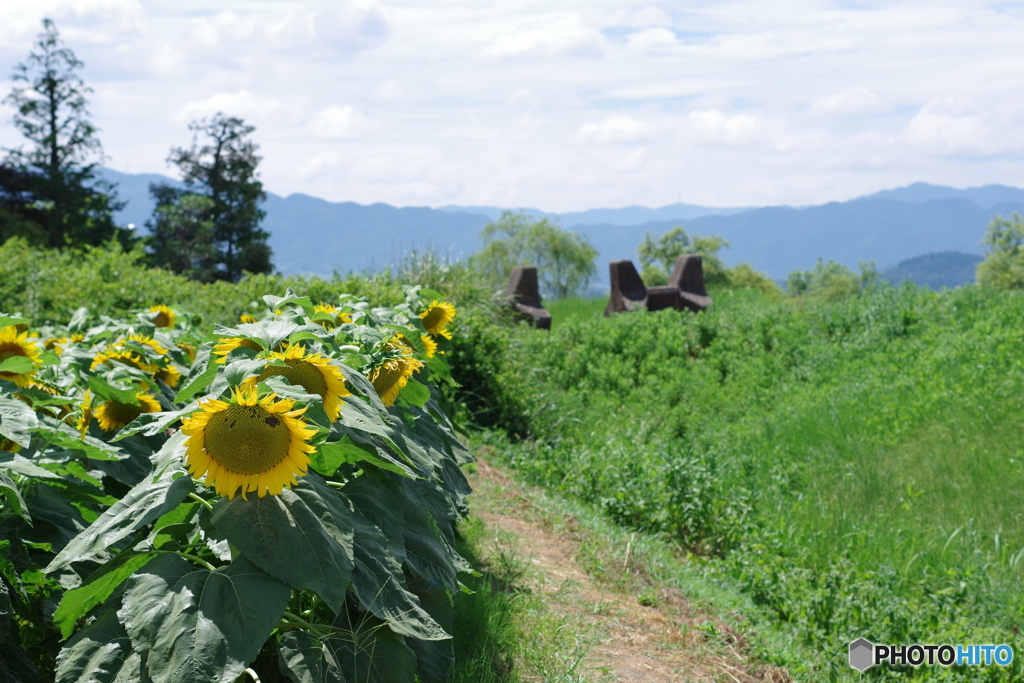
(201, 500)
(253, 674)
(336, 484)
(193, 558)
(319, 629)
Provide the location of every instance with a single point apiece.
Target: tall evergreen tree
(72, 205)
(223, 169)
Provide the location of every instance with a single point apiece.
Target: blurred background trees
(49, 191)
(564, 259)
(211, 229)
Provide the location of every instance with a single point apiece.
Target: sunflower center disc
(7, 351)
(387, 377)
(122, 413)
(247, 439)
(300, 373)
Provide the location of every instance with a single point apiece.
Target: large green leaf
(99, 653)
(303, 536)
(77, 602)
(204, 369)
(141, 505)
(375, 500)
(415, 393)
(426, 550)
(434, 658)
(149, 424)
(200, 626)
(379, 584)
(358, 415)
(64, 436)
(17, 365)
(9, 491)
(330, 456)
(374, 653)
(17, 421)
(304, 658)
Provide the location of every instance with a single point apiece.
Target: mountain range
(315, 236)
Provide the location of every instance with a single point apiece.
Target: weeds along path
(628, 628)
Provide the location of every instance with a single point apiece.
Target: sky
(561, 105)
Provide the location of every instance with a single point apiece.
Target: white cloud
(241, 104)
(964, 127)
(712, 125)
(651, 38)
(335, 123)
(615, 129)
(644, 17)
(562, 36)
(849, 103)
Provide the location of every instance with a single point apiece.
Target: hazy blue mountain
(311, 235)
(779, 240)
(629, 215)
(937, 270)
(986, 196)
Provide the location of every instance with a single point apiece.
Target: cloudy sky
(558, 104)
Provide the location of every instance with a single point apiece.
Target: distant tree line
(51, 194)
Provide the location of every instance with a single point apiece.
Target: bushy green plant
(853, 464)
(299, 524)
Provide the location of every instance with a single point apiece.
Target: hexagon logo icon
(862, 654)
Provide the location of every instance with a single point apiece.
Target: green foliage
(1003, 266)
(159, 575)
(49, 286)
(853, 465)
(564, 260)
(831, 281)
(745, 276)
(62, 201)
(658, 255)
(181, 233)
(223, 170)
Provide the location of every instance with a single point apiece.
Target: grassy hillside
(856, 466)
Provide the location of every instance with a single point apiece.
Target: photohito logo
(864, 654)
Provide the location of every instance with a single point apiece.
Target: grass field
(856, 467)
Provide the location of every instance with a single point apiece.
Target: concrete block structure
(685, 288)
(523, 292)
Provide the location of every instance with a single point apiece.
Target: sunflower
(8, 445)
(228, 344)
(129, 358)
(338, 315)
(162, 316)
(249, 443)
(148, 342)
(114, 415)
(389, 377)
(86, 417)
(57, 344)
(312, 372)
(437, 317)
(429, 345)
(14, 344)
(169, 375)
(189, 350)
(246, 318)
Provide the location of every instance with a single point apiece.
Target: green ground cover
(856, 467)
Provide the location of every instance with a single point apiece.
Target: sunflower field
(270, 501)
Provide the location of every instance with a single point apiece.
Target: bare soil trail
(636, 632)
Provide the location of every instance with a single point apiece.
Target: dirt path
(638, 632)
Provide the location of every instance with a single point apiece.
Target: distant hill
(937, 270)
(311, 235)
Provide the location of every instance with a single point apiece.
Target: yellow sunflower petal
(247, 443)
